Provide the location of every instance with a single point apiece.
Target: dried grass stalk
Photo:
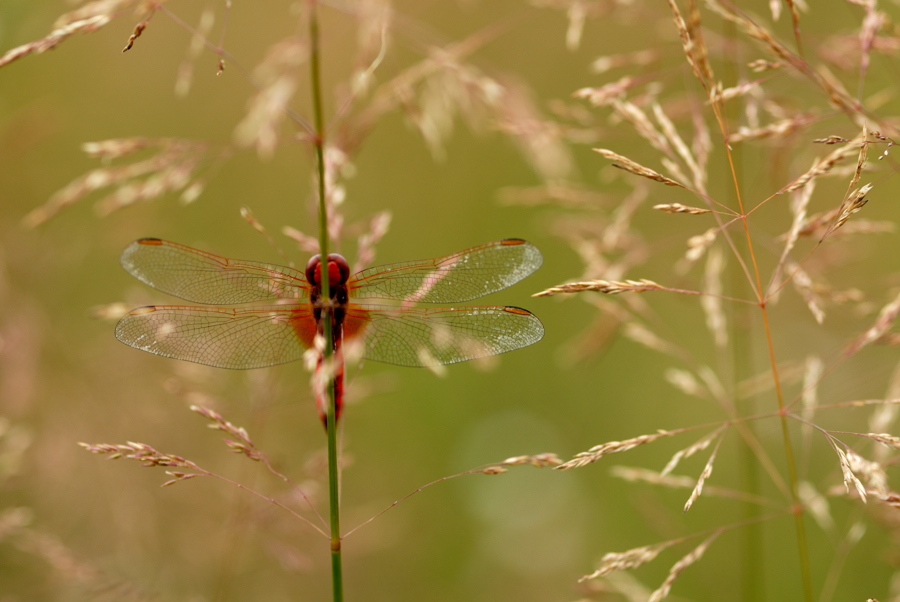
(539, 140)
(698, 244)
(714, 385)
(807, 289)
(858, 403)
(630, 559)
(608, 287)
(640, 58)
(538, 460)
(679, 567)
(885, 439)
(866, 226)
(795, 17)
(707, 471)
(688, 46)
(374, 20)
(674, 138)
(636, 168)
(861, 160)
(837, 94)
(826, 164)
(378, 227)
(702, 147)
(685, 382)
(136, 33)
(872, 23)
(139, 451)
(724, 94)
(883, 418)
(576, 15)
(854, 203)
(885, 319)
(818, 224)
(695, 30)
(849, 477)
(170, 169)
(775, 130)
(687, 452)
(760, 65)
(277, 77)
(816, 504)
(871, 472)
(98, 8)
(244, 446)
(711, 302)
(116, 148)
(492, 470)
(55, 37)
(305, 242)
(611, 447)
(799, 203)
(833, 139)
(634, 115)
(788, 373)
(892, 499)
(652, 477)
(604, 95)
(811, 377)
(639, 333)
(451, 87)
(676, 172)
(757, 32)
(195, 48)
(618, 235)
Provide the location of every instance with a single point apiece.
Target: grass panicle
(760, 128)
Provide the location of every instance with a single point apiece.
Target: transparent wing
(427, 337)
(202, 277)
(249, 337)
(459, 277)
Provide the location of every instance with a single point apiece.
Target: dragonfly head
(338, 270)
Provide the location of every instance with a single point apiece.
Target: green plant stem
(326, 316)
(753, 560)
(797, 507)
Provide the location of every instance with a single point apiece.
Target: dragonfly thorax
(338, 295)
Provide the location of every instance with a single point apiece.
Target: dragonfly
(376, 308)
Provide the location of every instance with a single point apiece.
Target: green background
(105, 530)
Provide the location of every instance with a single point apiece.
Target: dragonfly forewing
(455, 278)
(206, 278)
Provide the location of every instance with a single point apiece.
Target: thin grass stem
(326, 316)
(752, 561)
(797, 507)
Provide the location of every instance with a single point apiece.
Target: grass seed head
(679, 208)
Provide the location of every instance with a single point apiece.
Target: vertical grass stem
(753, 559)
(797, 507)
(331, 422)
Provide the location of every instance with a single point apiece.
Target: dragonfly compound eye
(338, 269)
(313, 267)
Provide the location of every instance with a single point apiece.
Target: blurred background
(465, 130)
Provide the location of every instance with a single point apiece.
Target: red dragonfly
(264, 335)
